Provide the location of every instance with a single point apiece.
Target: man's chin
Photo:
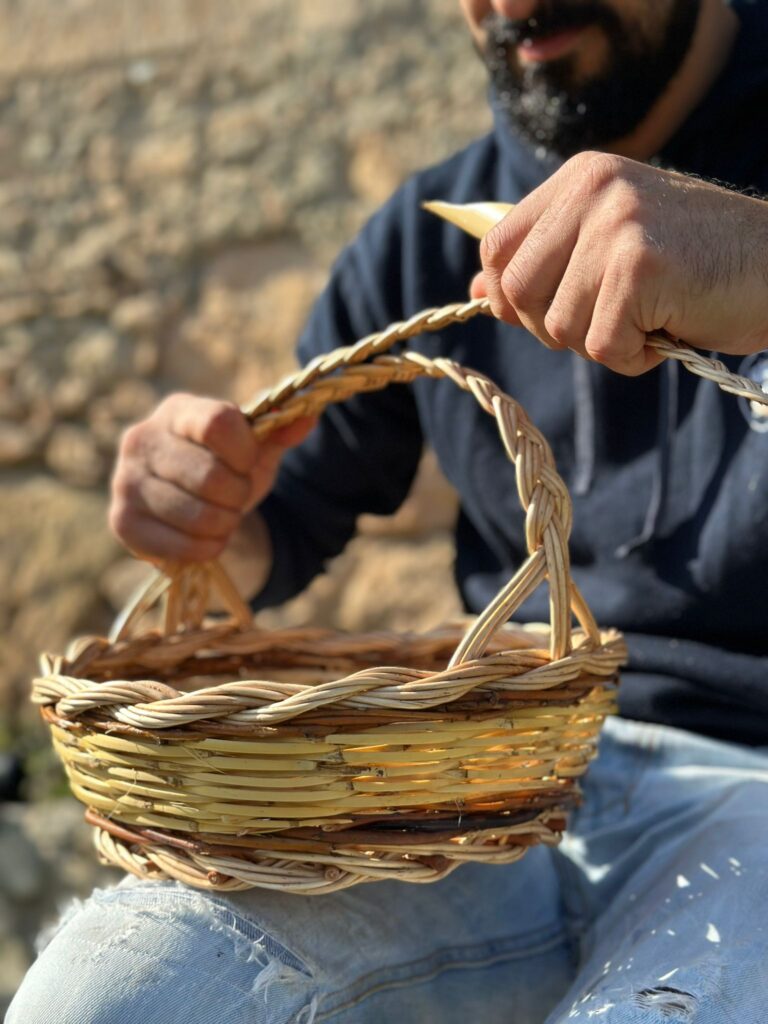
(594, 87)
(551, 124)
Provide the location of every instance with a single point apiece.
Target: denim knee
(162, 955)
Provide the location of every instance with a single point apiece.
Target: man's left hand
(609, 250)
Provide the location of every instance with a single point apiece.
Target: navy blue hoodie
(669, 475)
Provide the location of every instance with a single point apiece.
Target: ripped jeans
(653, 909)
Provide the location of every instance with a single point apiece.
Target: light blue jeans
(654, 909)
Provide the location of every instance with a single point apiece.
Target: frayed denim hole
(670, 1003)
(161, 902)
(277, 967)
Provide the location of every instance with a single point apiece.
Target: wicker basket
(229, 757)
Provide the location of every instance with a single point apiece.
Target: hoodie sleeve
(363, 454)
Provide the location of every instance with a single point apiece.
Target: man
(651, 910)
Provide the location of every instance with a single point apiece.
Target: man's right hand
(187, 475)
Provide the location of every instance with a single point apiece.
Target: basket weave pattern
(312, 767)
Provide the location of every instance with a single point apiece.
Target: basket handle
(345, 372)
(187, 591)
(544, 497)
(365, 367)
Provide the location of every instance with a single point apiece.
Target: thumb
(478, 289)
(271, 451)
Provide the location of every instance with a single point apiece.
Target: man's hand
(608, 250)
(187, 475)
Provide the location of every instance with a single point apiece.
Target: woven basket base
(317, 873)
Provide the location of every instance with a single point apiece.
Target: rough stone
(18, 308)
(16, 346)
(18, 853)
(54, 546)
(15, 958)
(51, 861)
(121, 580)
(253, 303)
(375, 168)
(131, 400)
(73, 455)
(93, 247)
(51, 535)
(399, 584)
(103, 158)
(38, 148)
(18, 443)
(35, 380)
(70, 395)
(12, 405)
(237, 130)
(10, 264)
(378, 583)
(138, 314)
(230, 204)
(162, 156)
(99, 356)
(145, 356)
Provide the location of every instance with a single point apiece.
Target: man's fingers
(274, 446)
(533, 277)
(271, 452)
(175, 507)
(186, 476)
(155, 519)
(614, 338)
(219, 426)
(292, 434)
(525, 257)
(571, 311)
(148, 538)
(199, 472)
(478, 289)
(499, 247)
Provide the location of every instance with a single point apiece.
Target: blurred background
(175, 179)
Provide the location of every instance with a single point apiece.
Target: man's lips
(550, 47)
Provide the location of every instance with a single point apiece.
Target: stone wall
(175, 179)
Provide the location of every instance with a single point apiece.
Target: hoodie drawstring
(667, 424)
(585, 441)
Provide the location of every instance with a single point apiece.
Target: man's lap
(669, 878)
(490, 943)
(160, 952)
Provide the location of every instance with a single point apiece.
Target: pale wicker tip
(474, 218)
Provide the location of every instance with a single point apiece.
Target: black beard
(547, 107)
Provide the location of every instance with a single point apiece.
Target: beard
(551, 108)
